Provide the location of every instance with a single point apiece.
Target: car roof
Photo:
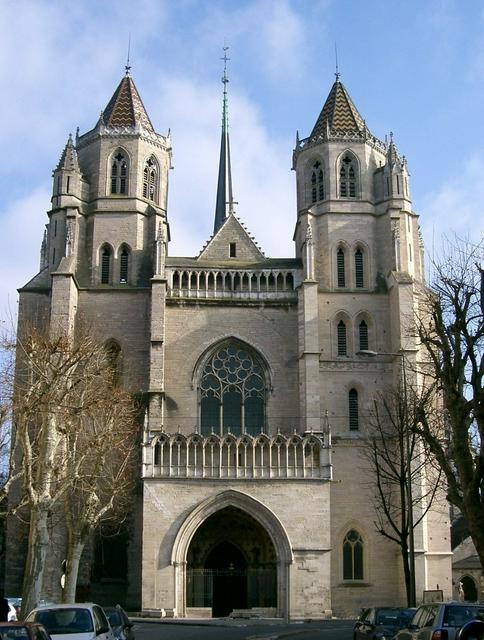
(18, 623)
(68, 605)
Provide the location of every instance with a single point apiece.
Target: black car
(120, 623)
(381, 623)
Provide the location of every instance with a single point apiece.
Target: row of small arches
(119, 175)
(348, 178)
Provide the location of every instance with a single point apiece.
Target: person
(4, 607)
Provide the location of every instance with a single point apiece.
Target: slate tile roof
(339, 113)
(126, 109)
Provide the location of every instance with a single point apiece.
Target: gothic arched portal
(231, 564)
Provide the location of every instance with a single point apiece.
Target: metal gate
(260, 584)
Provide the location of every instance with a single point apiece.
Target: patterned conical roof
(126, 109)
(339, 114)
(68, 160)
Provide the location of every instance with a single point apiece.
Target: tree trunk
(406, 570)
(36, 554)
(74, 551)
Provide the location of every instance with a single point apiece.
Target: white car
(77, 621)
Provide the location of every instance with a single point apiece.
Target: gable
(231, 238)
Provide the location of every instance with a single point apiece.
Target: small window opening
(359, 273)
(340, 267)
(53, 255)
(68, 183)
(232, 250)
(55, 228)
(353, 410)
(363, 331)
(105, 265)
(341, 338)
(123, 267)
(410, 252)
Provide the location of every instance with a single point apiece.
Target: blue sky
(415, 68)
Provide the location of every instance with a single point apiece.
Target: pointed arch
(314, 180)
(342, 334)
(364, 337)
(151, 179)
(119, 172)
(353, 410)
(105, 263)
(353, 555)
(124, 261)
(232, 385)
(348, 175)
(256, 509)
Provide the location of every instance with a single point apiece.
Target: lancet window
(359, 270)
(348, 175)
(232, 391)
(106, 259)
(354, 422)
(317, 182)
(353, 556)
(124, 265)
(340, 268)
(341, 334)
(150, 180)
(363, 336)
(119, 174)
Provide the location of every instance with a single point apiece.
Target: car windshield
(14, 633)
(457, 615)
(114, 618)
(66, 620)
(391, 617)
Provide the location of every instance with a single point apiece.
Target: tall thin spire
(225, 201)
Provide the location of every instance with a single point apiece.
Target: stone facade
(253, 477)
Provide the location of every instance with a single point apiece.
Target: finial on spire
(337, 74)
(127, 66)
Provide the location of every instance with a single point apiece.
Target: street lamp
(408, 480)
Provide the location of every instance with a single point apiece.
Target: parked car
(23, 631)
(79, 621)
(120, 623)
(473, 630)
(440, 620)
(381, 623)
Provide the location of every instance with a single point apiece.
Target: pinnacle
(68, 160)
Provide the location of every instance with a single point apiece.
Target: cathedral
(258, 373)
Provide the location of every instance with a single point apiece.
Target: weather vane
(225, 59)
(337, 74)
(128, 66)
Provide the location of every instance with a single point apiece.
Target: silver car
(440, 620)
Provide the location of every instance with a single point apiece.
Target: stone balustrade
(295, 457)
(231, 283)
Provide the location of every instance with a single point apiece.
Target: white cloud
(21, 231)
(456, 206)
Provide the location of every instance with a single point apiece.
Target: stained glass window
(232, 392)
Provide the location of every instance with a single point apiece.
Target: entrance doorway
(231, 564)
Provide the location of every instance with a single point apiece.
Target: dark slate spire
(339, 115)
(225, 200)
(126, 109)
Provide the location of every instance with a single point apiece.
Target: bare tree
(101, 463)
(450, 327)
(54, 381)
(396, 457)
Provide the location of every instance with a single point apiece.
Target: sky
(415, 68)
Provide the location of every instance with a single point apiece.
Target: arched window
(354, 422)
(340, 267)
(348, 174)
(317, 182)
(353, 556)
(341, 330)
(363, 336)
(359, 271)
(119, 173)
(124, 265)
(232, 391)
(150, 180)
(106, 259)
